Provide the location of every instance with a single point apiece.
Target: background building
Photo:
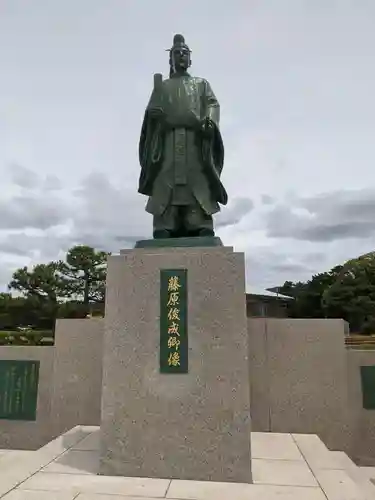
(267, 304)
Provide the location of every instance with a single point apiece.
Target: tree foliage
(352, 295)
(70, 288)
(43, 281)
(85, 271)
(308, 295)
(346, 291)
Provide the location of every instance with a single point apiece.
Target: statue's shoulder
(195, 79)
(203, 85)
(198, 83)
(199, 80)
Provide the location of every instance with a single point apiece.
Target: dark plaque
(18, 389)
(368, 387)
(173, 321)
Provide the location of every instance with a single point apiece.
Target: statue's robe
(178, 165)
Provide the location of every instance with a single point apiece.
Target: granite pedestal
(187, 426)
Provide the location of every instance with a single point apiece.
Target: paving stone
(89, 443)
(368, 472)
(274, 446)
(39, 495)
(84, 483)
(204, 490)
(93, 496)
(337, 485)
(282, 472)
(75, 462)
(317, 455)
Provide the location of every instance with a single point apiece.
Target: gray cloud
(28, 180)
(266, 199)
(47, 245)
(107, 214)
(37, 211)
(17, 244)
(52, 183)
(97, 213)
(111, 216)
(268, 267)
(326, 217)
(237, 209)
(34, 203)
(23, 177)
(6, 270)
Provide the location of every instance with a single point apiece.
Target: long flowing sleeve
(212, 105)
(213, 147)
(149, 150)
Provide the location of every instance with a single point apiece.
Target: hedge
(31, 338)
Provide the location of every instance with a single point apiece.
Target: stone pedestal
(187, 426)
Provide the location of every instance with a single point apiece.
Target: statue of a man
(181, 151)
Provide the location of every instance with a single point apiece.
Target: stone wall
(298, 377)
(364, 420)
(77, 376)
(70, 384)
(23, 434)
(304, 380)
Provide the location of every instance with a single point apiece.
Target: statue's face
(181, 58)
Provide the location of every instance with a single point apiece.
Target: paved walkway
(285, 467)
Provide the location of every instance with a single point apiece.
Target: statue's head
(179, 55)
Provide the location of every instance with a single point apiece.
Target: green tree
(352, 295)
(43, 281)
(308, 295)
(58, 289)
(42, 288)
(5, 317)
(85, 273)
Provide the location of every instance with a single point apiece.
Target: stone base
(198, 241)
(186, 426)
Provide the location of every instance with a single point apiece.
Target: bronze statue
(181, 151)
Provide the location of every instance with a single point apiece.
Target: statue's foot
(206, 232)
(161, 234)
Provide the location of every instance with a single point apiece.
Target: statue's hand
(207, 127)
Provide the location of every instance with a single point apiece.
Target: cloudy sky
(295, 80)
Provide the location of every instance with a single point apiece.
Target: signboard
(18, 389)
(173, 321)
(368, 387)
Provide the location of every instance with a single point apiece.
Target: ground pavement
(285, 467)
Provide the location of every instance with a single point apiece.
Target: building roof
(266, 293)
